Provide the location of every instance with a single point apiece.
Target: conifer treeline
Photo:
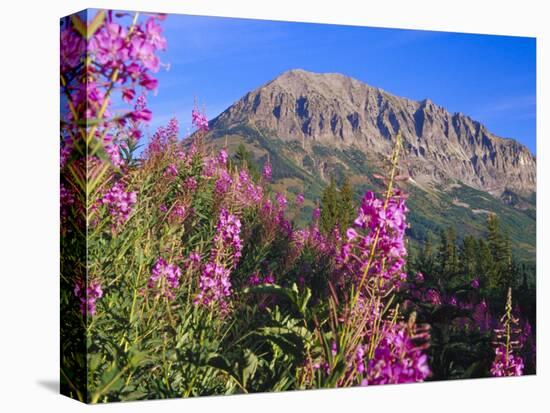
(337, 206)
(445, 257)
(488, 259)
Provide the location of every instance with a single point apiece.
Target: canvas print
(263, 206)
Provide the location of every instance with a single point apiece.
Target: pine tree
(345, 206)
(509, 269)
(243, 158)
(468, 256)
(485, 263)
(426, 259)
(329, 208)
(501, 251)
(495, 239)
(447, 254)
(453, 251)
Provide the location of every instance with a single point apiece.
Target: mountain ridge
(458, 172)
(335, 110)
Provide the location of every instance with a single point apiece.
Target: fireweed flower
(223, 183)
(334, 348)
(397, 359)
(157, 143)
(171, 171)
(267, 207)
(119, 59)
(316, 214)
(214, 281)
(65, 152)
(148, 82)
(475, 283)
(227, 236)
(190, 183)
(153, 32)
(181, 155)
(163, 136)
(281, 201)
(351, 234)
(222, 157)
(433, 297)
(320, 243)
(506, 364)
(247, 192)
(210, 167)
(215, 286)
(359, 360)
(267, 171)
(66, 199)
(382, 226)
(109, 46)
(73, 48)
(194, 258)
(112, 150)
(90, 98)
(481, 316)
(256, 279)
(165, 277)
(141, 103)
(119, 203)
(251, 195)
(88, 296)
(269, 279)
(199, 120)
(143, 51)
(178, 212)
(173, 129)
(128, 94)
(143, 115)
(507, 342)
(299, 200)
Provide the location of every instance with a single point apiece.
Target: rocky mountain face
(317, 127)
(336, 111)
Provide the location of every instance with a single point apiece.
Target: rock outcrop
(338, 111)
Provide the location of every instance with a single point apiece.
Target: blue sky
(216, 60)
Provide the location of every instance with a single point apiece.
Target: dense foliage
(461, 288)
(184, 274)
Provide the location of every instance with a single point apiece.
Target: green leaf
(249, 366)
(293, 295)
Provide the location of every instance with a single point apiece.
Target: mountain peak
(306, 74)
(337, 111)
(300, 81)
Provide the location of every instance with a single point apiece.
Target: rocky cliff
(337, 111)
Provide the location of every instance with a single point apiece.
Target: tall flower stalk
(507, 343)
(371, 344)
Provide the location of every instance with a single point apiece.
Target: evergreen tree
(447, 254)
(346, 207)
(495, 239)
(426, 259)
(508, 268)
(329, 208)
(244, 158)
(468, 257)
(485, 267)
(501, 251)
